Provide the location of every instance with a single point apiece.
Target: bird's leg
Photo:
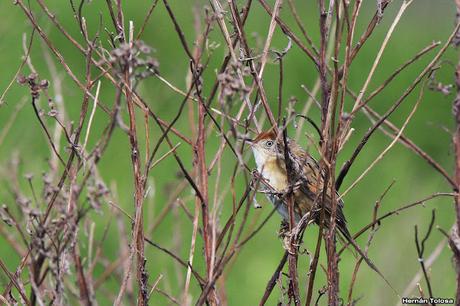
(287, 235)
(284, 229)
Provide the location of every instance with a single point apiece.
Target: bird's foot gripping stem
(286, 235)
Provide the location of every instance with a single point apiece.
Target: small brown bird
(269, 155)
(270, 159)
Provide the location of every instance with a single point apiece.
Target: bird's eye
(269, 143)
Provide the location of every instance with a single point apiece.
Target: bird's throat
(274, 173)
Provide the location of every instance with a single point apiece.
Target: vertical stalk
(327, 111)
(203, 185)
(138, 234)
(292, 256)
(456, 141)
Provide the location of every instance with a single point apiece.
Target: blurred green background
(393, 249)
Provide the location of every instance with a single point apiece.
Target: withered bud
(53, 112)
(33, 76)
(44, 84)
(21, 79)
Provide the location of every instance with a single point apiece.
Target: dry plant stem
(327, 107)
(257, 80)
(59, 100)
(403, 7)
(114, 80)
(191, 252)
(136, 98)
(456, 142)
(395, 73)
(93, 111)
(369, 30)
(301, 26)
(421, 250)
(203, 181)
(348, 48)
(196, 73)
(363, 90)
(286, 30)
(313, 268)
(271, 31)
(85, 295)
(333, 143)
(68, 172)
(200, 162)
(72, 154)
(198, 193)
(369, 240)
(24, 61)
(146, 20)
(271, 284)
(230, 53)
(280, 90)
(390, 145)
(230, 222)
(329, 94)
(224, 260)
(15, 283)
(201, 281)
(17, 274)
(45, 129)
(397, 211)
(49, 44)
(372, 114)
(138, 231)
(170, 126)
(346, 167)
(431, 259)
(292, 257)
(311, 98)
(215, 212)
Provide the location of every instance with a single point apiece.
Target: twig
(421, 250)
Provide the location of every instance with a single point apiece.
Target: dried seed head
(44, 84)
(21, 79)
(134, 57)
(53, 112)
(232, 82)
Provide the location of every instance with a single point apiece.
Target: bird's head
(265, 148)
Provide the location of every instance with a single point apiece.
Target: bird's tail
(346, 234)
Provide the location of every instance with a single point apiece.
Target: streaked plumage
(269, 157)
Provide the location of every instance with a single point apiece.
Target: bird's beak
(248, 140)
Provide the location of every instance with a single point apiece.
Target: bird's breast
(275, 175)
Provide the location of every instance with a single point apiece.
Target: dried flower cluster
(232, 81)
(136, 57)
